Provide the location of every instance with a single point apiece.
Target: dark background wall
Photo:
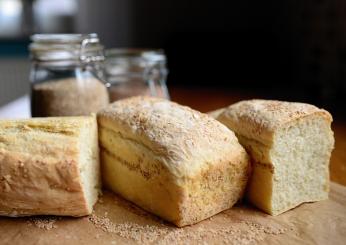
(288, 49)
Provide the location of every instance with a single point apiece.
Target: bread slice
(49, 166)
(177, 163)
(290, 144)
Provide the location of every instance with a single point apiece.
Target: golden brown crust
(39, 167)
(30, 187)
(258, 119)
(290, 145)
(222, 184)
(176, 133)
(171, 160)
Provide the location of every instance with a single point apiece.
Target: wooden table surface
(206, 99)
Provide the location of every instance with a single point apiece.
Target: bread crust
(259, 119)
(174, 146)
(39, 167)
(260, 125)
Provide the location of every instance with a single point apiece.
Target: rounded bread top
(258, 119)
(184, 140)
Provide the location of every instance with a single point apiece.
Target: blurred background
(290, 49)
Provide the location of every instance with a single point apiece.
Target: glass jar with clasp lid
(66, 75)
(132, 72)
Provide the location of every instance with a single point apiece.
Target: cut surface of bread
(49, 166)
(290, 145)
(175, 162)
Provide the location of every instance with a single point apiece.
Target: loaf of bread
(49, 166)
(290, 145)
(177, 163)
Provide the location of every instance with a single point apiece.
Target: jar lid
(136, 53)
(134, 62)
(119, 59)
(66, 47)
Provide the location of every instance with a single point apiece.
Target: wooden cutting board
(116, 221)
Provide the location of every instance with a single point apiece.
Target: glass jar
(131, 72)
(66, 75)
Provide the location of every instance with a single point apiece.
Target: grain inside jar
(68, 97)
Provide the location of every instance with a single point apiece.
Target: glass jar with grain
(131, 72)
(67, 75)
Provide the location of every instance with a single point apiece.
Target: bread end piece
(49, 166)
(290, 145)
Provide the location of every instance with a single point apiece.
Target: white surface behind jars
(19, 108)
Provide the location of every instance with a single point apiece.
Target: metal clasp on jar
(84, 58)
